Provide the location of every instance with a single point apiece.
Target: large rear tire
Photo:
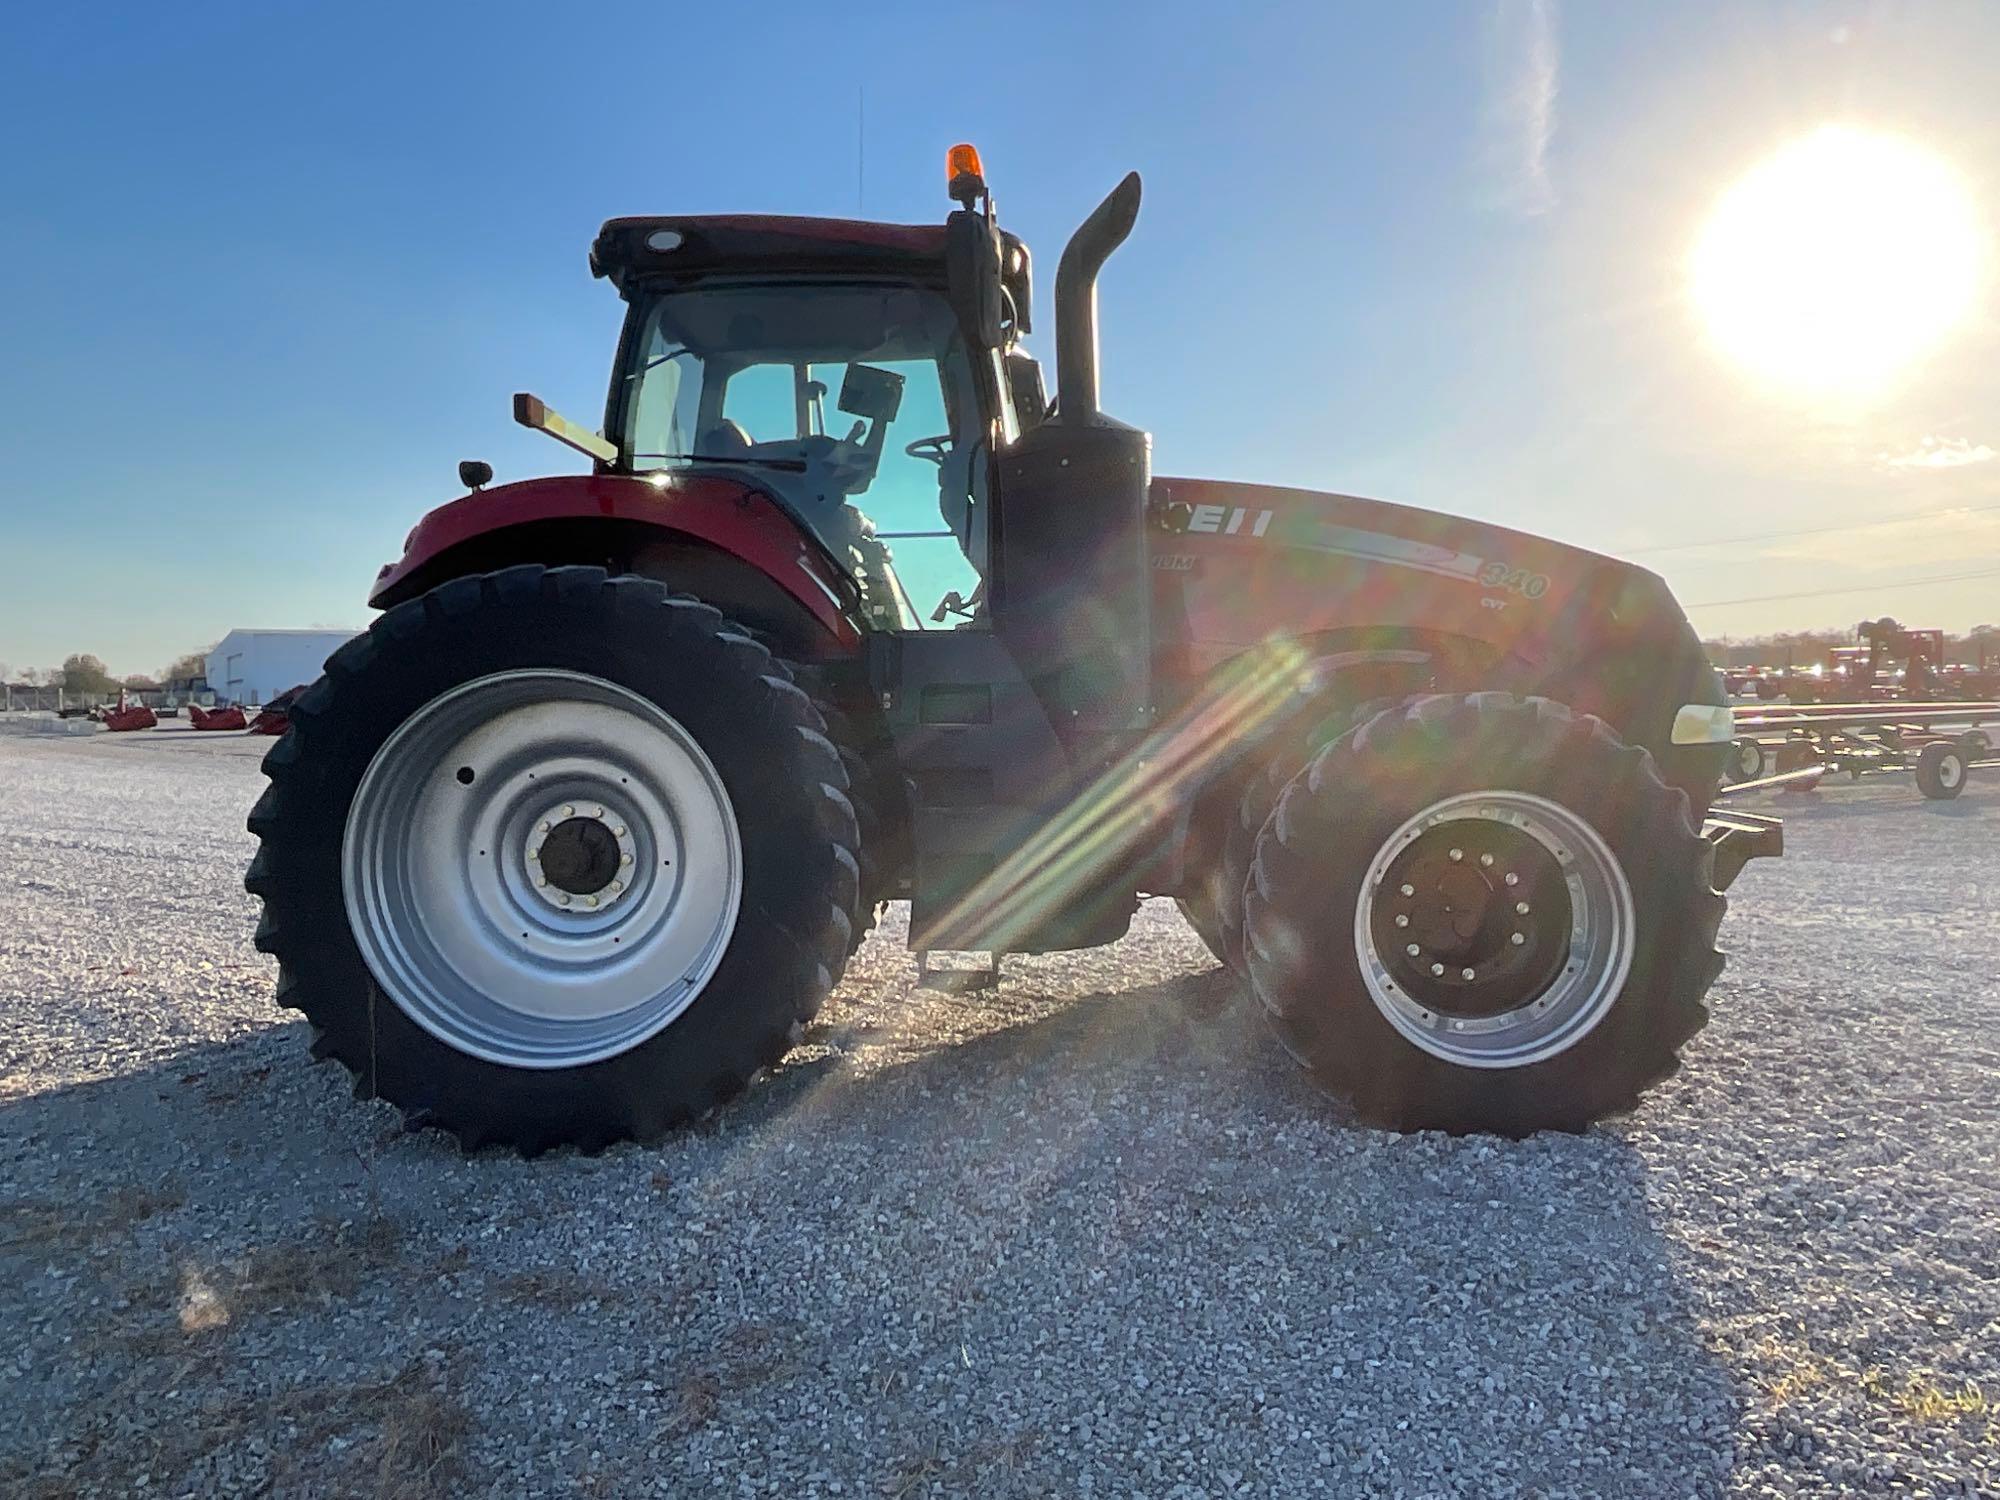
(550, 857)
(1555, 890)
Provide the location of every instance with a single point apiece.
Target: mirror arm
(533, 413)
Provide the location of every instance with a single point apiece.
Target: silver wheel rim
(1950, 770)
(542, 869)
(1597, 945)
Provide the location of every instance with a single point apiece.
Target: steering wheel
(936, 449)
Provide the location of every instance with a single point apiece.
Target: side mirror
(1024, 383)
(872, 393)
(972, 274)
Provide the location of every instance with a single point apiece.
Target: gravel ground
(1089, 1236)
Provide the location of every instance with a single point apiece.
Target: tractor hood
(1314, 537)
(1235, 564)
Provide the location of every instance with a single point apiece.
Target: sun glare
(1830, 269)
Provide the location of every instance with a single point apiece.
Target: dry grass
(320, 1270)
(913, 1472)
(418, 1434)
(563, 1290)
(1920, 1399)
(71, 1226)
(697, 1398)
(404, 1436)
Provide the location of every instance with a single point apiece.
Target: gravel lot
(1089, 1236)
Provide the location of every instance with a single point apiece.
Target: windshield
(855, 405)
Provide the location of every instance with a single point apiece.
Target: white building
(254, 666)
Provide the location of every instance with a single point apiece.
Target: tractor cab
(862, 375)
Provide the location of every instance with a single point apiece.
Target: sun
(1830, 269)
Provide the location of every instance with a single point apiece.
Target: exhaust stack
(1076, 301)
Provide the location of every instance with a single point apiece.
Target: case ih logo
(1214, 520)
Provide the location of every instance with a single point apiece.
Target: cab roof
(670, 246)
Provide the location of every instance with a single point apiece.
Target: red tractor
(580, 834)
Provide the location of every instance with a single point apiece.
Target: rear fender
(728, 542)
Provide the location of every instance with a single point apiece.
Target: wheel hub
(579, 856)
(1485, 920)
(1494, 928)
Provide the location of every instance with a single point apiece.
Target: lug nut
(1413, 950)
(1518, 939)
(618, 832)
(540, 881)
(1486, 861)
(624, 859)
(1401, 920)
(561, 899)
(1438, 970)
(1409, 890)
(590, 901)
(597, 812)
(542, 827)
(1457, 854)
(1521, 908)
(1467, 973)
(1512, 878)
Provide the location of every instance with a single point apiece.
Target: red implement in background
(137, 716)
(217, 718)
(276, 716)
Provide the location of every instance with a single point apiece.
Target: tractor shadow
(1133, 1185)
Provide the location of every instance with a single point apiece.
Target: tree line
(85, 675)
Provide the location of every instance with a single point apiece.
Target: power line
(1859, 588)
(1775, 536)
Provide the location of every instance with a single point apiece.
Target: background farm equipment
(1938, 744)
(216, 720)
(127, 717)
(275, 717)
(1894, 663)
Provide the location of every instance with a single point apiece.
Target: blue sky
(273, 269)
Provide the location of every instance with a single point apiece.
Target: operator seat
(726, 439)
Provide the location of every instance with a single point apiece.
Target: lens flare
(1070, 857)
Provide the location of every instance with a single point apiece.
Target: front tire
(550, 857)
(1557, 893)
